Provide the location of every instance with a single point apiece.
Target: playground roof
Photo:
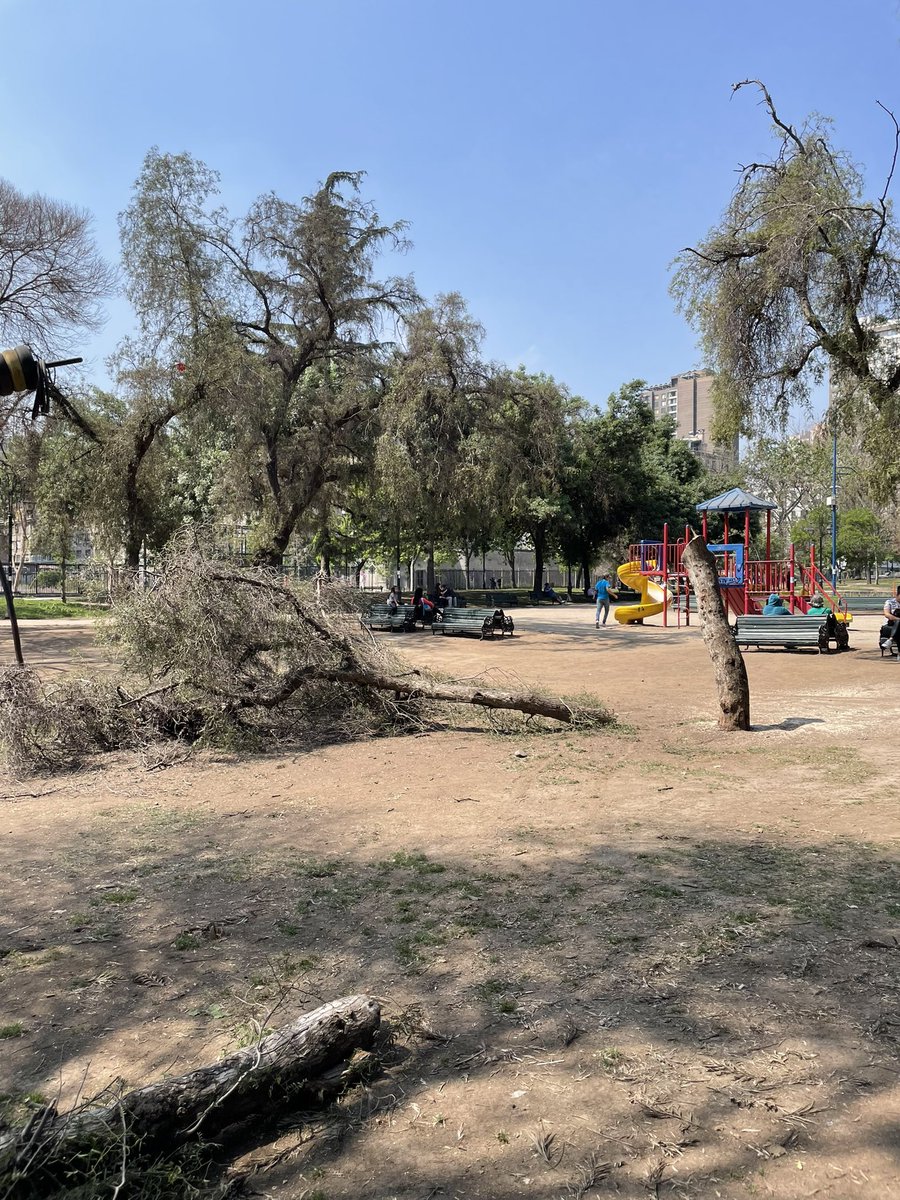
(735, 500)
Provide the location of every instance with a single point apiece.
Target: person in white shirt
(892, 614)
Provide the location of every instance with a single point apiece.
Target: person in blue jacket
(603, 592)
(776, 607)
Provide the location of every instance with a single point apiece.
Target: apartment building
(687, 400)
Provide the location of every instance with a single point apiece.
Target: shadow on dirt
(659, 1022)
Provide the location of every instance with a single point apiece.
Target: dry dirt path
(663, 959)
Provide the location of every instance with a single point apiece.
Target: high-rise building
(686, 399)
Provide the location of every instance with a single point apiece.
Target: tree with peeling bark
(732, 685)
(796, 281)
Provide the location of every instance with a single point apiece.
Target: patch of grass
(609, 1058)
(406, 952)
(412, 861)
(186, 941)
(124, 896)
(14, 1030)
(660, 891)
(320, 868)
(48, 610)
(427, 937)
(288, 966)
(288, 928)
(498, 993)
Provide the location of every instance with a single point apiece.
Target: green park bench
(502, 599)
(380, 616)
(484, 622)
(788, 633)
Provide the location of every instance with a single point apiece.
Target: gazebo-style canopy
(736, 500)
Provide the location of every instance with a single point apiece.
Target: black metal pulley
(21, 371)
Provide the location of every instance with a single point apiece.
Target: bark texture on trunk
(728, 664)
(526, 702)
(306, 1057)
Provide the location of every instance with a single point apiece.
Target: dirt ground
(657, 960)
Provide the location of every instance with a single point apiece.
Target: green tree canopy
(289, 298)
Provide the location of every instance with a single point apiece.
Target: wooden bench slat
(799, 631)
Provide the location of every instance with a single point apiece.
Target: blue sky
(551, 158)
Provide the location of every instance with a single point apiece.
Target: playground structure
(656, 570)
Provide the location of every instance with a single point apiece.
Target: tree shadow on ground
(682, 1021)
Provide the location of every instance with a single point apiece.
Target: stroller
(886, 639)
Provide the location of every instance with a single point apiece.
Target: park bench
(380, 616)
(502, 599)
(485, 622)
(541, 598)
(789, 633)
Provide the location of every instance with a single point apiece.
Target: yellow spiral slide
(652, 595)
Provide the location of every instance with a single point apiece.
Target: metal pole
(666, 574)
(834, 511)
(792, 566)
(11, 613)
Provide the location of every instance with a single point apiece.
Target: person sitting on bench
(892, 614)
(836, 629)
(776, 607)
(549, 594)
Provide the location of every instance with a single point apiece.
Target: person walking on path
(603, 593)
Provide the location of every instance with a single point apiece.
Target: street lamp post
(832, 504)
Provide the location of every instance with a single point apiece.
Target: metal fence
(45, 578)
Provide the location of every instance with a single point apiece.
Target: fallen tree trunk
(526, 702)
(728, 663)
(308, 1058)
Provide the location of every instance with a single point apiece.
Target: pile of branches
(238, 658)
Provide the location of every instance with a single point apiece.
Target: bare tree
(53, 279)
(796, 280)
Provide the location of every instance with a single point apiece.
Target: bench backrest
(755, 624)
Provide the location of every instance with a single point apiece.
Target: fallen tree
(305, 1063)
(241, 658)
(728, 664)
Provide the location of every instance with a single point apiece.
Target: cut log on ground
(306, 1060)
(728, 664)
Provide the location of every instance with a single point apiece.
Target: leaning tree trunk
(728, 663)
(538, 539)
(302, 1063)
